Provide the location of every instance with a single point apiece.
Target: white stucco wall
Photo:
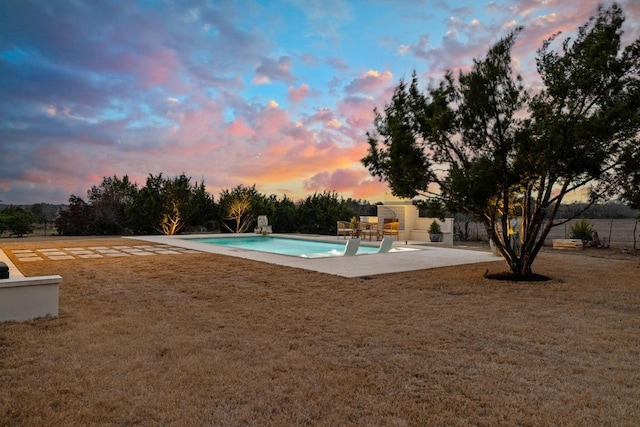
(29, 298)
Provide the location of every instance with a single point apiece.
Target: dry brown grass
(211, 340)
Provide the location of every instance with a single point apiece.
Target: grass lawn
(204, 339)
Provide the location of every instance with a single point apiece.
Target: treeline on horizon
(166, 205)
(170, 205)
(612, 210)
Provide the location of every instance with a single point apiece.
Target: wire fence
(615, 233)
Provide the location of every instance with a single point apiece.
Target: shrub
(434, 228)
(581, 230)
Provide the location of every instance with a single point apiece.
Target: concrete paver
(93, 252)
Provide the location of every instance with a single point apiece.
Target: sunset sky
(274, 93)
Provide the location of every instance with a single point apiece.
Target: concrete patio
(425, 257)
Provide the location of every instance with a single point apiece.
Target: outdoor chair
(369, 229)
(385, 245)
(345, 229)
(351, 248)
(391, 229)
(263, 225)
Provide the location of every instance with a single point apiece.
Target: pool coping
(339, 245)
(353, 266)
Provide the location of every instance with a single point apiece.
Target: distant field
(617, 232)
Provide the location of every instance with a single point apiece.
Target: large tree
(167, 205)
(77, 219)
(239, 208)
(630, 174)
(320, 212)
(109, 201)
(17, 220)
(486, 146)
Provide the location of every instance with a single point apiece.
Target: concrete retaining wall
(27, 298)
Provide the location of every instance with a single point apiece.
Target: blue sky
(274, 93)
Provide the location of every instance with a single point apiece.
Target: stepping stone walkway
(27, 255)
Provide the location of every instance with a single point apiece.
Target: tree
(44, 213)
(145, 210)
(167, 205)
(171, 222)
(17, 221)
(282, 214)
(240, 206)
(109, 201)
(631, 178)
(319, 213)
(77, 219)
(630, 173)
(485, 146)
(175, 207)
(202, 209)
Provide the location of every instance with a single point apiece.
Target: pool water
(283, 246)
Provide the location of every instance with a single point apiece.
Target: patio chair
(351, 248)
(263, 225)
(385, 245)
(369, 229)
(345, 229)
(391, 229)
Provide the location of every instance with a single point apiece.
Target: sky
(276, 93)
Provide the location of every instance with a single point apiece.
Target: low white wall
(29, 298)
(420, 232)
(413, 227)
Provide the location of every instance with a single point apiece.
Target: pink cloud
(162, 68)
(239, 129)
(357, 183)
(323, 116)
(298, 94)
(337, 180)
(358, 111)
(371, 190)
(146, 57)
(279, 149)
(369, 82)
(152, 68)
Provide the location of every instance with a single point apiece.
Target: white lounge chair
(351, 248)
(386, 245)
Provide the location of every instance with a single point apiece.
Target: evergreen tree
(509, 158)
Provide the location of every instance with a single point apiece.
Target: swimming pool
(285, 246)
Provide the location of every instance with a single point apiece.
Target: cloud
(271, 70)
(338, 63)
(369, 82)
(345, 181)
(239, 129)
(92, 89)
(358, 111)
(298, 94)
(325, 16)
(468, 36)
